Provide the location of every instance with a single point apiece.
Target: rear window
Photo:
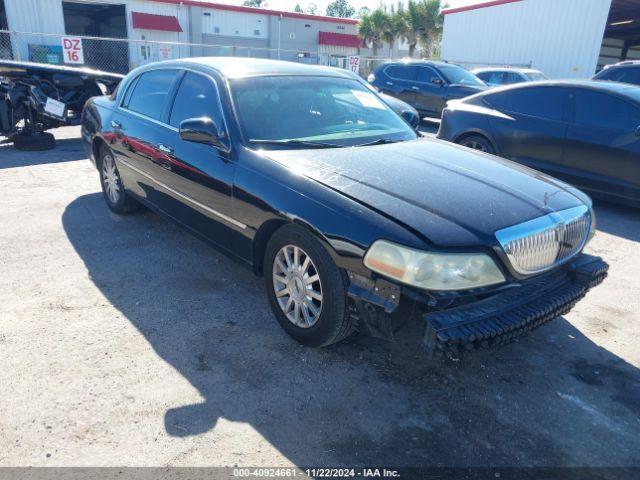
(151, 93)
(542, 102)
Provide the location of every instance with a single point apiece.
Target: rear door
(138, 127)
(400, 82)
(603, 148)
(429, 96)
(533, 128)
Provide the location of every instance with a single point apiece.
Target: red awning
(149, 21)
(339, 39)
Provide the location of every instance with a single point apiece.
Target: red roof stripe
(338, 39)
(476, 6)
(259, 11)
(149, 21)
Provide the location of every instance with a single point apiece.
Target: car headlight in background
(432, 270)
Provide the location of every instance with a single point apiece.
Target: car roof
(418, 61)
(505, 69)
(625, 89)
(234, 67)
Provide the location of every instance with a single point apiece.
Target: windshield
(313, 112)
(456, 74)
(535, 76)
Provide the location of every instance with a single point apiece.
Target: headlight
(430, 270)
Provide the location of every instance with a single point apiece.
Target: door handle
(116, 124)
(165, 149)
(415, 88)
(389, 83)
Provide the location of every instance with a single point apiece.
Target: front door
(429, 96)
(533, 128)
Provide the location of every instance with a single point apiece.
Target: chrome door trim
(187, 198)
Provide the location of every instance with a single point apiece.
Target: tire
(36, 142)
(118, 200)
(477, 142)
(330, 322)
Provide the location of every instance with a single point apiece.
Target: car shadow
(553, 398)
(618, 220)
(67, 150)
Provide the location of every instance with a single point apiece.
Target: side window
(544, 102)
(496, 100)
(427, 74)
(512, 77)
(605, 111)
(151, 93)
(197, 97)
(402, 72)
(628, 75)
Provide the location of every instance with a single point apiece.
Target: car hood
(449, 194)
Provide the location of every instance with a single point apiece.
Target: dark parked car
(425, 85)
(304, 175)
(585, 133)
(497, 77)
(625, 72)
(403, 109)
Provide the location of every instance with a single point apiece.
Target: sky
(322, 4)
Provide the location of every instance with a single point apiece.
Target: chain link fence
(121, 55)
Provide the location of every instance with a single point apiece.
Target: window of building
(256, 32)
(216, 29)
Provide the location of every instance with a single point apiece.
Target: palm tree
(432, 21)
(371, 29)
(394, 26)
(414, 22)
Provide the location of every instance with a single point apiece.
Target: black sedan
(424, 84)
(304, 175)
(586, 133)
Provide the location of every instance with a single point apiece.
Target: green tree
(252, 3)
(371, 29)
(340, 8)
(421, 25)
(394, 26)
(363, 11)
(311, 9)
(298, 8)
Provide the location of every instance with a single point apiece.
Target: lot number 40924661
(72, 50)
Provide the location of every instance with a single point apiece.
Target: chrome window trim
(180, 69)
(194, 202)
(539, 225)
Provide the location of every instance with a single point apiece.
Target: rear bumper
(503, 317)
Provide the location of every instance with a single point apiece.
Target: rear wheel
(306, 290)
(477, 142)
(112, 188)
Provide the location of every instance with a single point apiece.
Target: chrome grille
(544, 242)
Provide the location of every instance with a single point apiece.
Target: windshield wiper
(296, 143)
(380, 141)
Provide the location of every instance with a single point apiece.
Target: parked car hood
(451, 195)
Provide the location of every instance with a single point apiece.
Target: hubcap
(475, 146)
(297, 286)
(110, 178)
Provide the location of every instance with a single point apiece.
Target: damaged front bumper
(491, 321)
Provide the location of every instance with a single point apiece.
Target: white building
(563, 38)
(155, 30)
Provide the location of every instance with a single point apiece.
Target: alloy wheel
(297, 286)
(475, 146)
(111, 179)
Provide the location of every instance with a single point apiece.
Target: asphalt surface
(125, 341)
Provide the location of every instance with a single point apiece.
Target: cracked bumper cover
(501, 318)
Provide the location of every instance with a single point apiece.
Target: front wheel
(112, 188)
(307, 292)
(476, 142)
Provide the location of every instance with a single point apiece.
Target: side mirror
(201, 130)
(437, 81)
(411, 118)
